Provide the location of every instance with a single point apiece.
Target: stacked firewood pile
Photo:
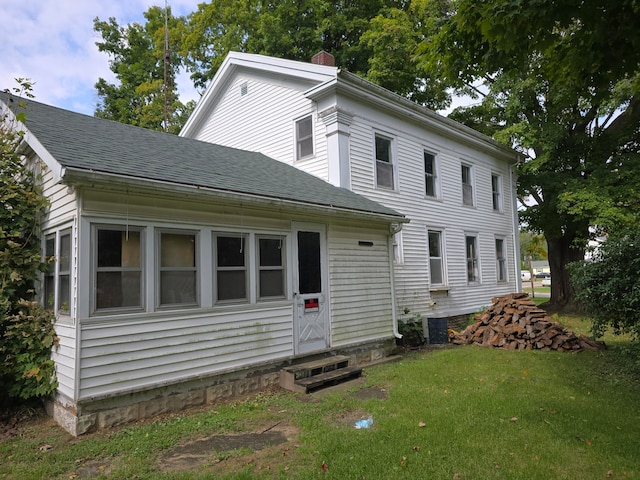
(514, 322)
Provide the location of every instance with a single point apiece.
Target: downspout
(394, 228)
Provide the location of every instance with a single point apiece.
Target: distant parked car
(546, 281)
(543, 275)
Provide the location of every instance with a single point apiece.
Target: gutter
(395, 228)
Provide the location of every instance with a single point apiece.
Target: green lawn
(452, 413)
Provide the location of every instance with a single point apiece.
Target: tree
(560, 82)
(26, 330)
(609, 286)
(147, 89)
(532, 245)
(375, 39)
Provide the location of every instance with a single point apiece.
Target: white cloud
(53, 44)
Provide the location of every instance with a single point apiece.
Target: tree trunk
(562, 251)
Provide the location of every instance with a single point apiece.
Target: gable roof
(324, 80)
(72, 143)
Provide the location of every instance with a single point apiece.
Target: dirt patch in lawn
(234, 448)
(369, 393)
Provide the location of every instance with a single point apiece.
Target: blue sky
(52, 43)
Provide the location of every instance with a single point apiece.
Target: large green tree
(560, 81)
(145, 93)
(375, 39)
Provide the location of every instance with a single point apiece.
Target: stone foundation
(90, 415)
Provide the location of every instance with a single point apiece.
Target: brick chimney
(324, 58)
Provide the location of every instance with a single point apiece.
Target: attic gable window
(304, 138)
(384, 162)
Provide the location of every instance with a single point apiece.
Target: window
(496, 192)
(57, 278)
(467, 186)
(384, 163)
(472, 258)
(436, 270)
(231, 270)
(271, 267)
(430, 177)
(118, 268)
(501, 261)
(178, 271)
(304, 138)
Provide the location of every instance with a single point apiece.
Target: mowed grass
(453, 413)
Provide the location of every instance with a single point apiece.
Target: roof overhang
(108, 181)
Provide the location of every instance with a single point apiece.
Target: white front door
(311, 308)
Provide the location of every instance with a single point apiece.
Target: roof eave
(82, 177)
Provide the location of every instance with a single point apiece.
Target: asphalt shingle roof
(103, 146)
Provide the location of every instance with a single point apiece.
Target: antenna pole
(166, 62)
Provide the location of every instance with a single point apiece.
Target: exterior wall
(61, 216)
(132, 365)
(270, 129)
(445, 213)
(264, 122)
(360, 284)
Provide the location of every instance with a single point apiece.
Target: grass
(453, 413)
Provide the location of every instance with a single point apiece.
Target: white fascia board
(30, 141)
(351, 85)
(309, 72)
(111, 181)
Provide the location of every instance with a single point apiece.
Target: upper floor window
(231, 267)
(384, 162)
(501, 260)
(467, 185)
(57, 278)
(178, 271)
(304, 137)
(430, 175)
(496, 192)
(473, 274)
(436, 260)
(118, 268)
(271, 273)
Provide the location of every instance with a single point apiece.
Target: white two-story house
(455, 185)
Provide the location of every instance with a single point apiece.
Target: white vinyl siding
(360, 284)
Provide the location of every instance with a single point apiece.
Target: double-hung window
(178, 268)
(384, 162)
(57, 278)
(231, 268)
(467, 185)
(496, 192)
(304, 137)
(436, 261)
(430, 175)
(271, 274)
(118, 268)
(501, 260)
(471, 243)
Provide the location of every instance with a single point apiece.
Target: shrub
(609, 286)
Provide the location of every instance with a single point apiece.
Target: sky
(52, 43)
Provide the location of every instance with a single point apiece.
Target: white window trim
(500, 207)
(250, 282)
(258, 268)
(471, 184)
(443, 256)
(477, 258)
(296, 141)
(436, 175)
(504, 259)
(393, 161)
(57, 234)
